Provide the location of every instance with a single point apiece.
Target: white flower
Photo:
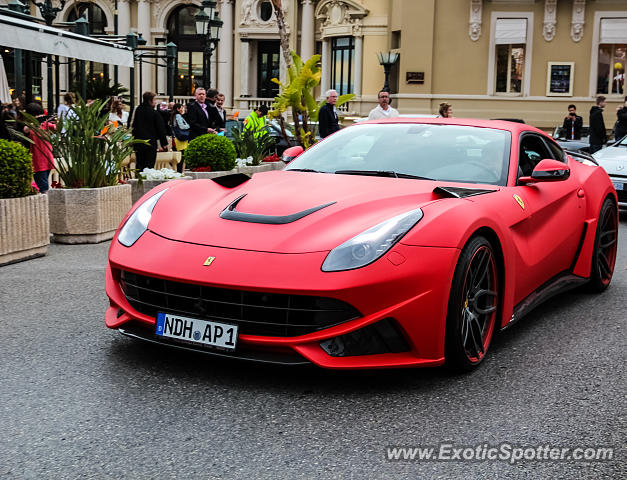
(241, 162)
(163, 174)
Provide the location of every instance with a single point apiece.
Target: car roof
(513, 127)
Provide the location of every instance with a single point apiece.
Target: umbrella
(5, 94)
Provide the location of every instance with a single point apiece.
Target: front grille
(256, 313)
(622, 195)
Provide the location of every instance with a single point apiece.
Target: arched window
(182, 31)
(97, 25)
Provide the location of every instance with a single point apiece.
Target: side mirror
(547, 170)
(291, 153)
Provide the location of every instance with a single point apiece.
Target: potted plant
(149, 178)
(210, 156)
(24, 226)
(88, 155)
(253, 147)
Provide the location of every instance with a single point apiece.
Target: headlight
(137, 223)
(366, 247)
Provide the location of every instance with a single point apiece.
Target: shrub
(210, 150)
(252, 143)
(16, 170)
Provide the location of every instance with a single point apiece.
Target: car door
(551, 230)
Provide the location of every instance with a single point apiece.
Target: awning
(511, 31)
(18, 33)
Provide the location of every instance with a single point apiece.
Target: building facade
(524, 59)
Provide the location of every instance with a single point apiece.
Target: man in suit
(200, 122)
(148, 125)
(327, 117)
(219, 107)
(214, 115)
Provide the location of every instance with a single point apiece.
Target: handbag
(179, 133)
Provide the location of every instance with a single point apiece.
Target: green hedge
(16, 170)
(210, 150)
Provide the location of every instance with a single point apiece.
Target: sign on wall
(559, 79)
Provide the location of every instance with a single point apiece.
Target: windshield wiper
(381, 173)
(303, 170)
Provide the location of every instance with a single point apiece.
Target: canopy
(26, 35)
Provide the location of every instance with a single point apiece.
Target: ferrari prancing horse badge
(209, 261)
(520, 201)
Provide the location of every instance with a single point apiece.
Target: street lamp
(208, 24)
(49, 13)
(387, 59)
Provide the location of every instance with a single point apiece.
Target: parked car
(280, 144)
(392, 243)
(614, 160)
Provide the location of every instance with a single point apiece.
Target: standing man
(214, 115)
(327, 117)
(221, 112)
(572, 124)
(383, 110)
(198, 115)
(620, 130)
(256, 121)
(148, 125)
(598, 135)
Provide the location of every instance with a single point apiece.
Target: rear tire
(604, 250)
(472, 307)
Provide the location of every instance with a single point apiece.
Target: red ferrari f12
(396, 243)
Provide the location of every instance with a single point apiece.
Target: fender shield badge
(209, 261)
(520, 201)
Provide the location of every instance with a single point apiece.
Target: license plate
(619, 186)
(194, 330)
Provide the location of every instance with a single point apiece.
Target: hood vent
(460, 192)
(229, 213)
(231, 181)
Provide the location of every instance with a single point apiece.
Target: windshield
(439, 152)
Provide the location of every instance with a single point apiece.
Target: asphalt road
(80, 401)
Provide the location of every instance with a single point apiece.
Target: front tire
(472, 307)
(604, 251)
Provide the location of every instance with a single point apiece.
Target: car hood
(613, 159)
(348, 205)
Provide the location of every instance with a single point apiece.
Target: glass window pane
(618, 64)
(603, 68)
(502, 52)
(518, 60)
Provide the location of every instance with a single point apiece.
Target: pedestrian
(117, 113)
(572, 124)
(598, 135)
(383, 110)
(181, 130)
(165, 113)
(257, 120)
(221, 126)
(327, 116)
(5, 119)
(198, 116)
(67, 105)
(445, 110)
(214, 116)
(40, 148)
(148, 125)
(620, 129)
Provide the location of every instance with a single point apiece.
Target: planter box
(24, 228)
(138, 191)
(87, 215)
(248, 170)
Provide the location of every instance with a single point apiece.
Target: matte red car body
(411, 283)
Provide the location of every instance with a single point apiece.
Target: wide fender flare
(451, 223)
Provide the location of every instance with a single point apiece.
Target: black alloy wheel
(473, 306)
(605, 245)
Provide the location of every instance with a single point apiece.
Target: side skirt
(562, 282)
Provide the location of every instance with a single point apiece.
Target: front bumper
(409, 284)
(621, 193)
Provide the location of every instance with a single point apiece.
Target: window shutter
(613, 30)
(511, 31)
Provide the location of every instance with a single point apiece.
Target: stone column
(225, 53)
(307, 46)
(325, 82)
(143, 27)
(244, 72)
(124, 27)
(359, 60)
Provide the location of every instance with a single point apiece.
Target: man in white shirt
(383, 110)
